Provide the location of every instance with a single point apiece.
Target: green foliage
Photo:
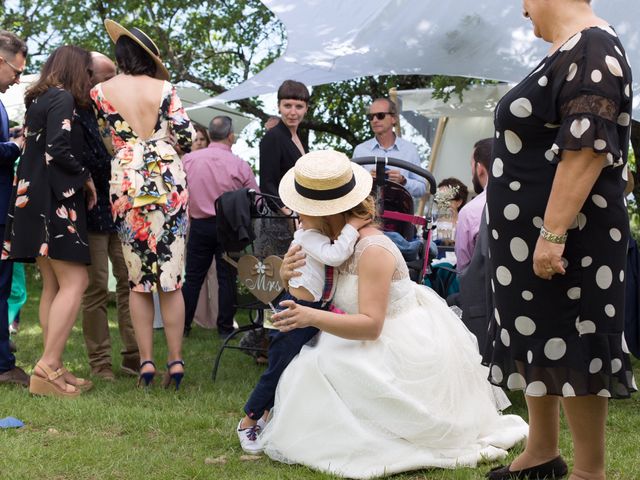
(633, 207)
(337, 111)
(213, 44)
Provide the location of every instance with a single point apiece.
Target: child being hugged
(313, 288)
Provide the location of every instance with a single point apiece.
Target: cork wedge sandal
(81, 384)
(47, 386)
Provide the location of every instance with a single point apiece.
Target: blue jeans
(283, 347)
(7, 359)
(202, 247)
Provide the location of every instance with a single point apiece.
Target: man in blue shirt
(13, 53)
(383, 116)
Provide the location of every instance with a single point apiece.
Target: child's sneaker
(249, 439)
(261, 424)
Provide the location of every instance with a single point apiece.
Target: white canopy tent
(335, 40)
(191, 101)
(461, 125)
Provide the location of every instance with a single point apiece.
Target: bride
(395, 383)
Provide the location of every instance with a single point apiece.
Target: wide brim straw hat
(115, 31)
(323, 183)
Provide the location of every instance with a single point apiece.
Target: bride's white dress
(416, 397)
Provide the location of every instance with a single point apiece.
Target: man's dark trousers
(202, 247)
(7, 359)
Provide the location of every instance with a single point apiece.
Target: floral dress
(148, 191)
(47, 215)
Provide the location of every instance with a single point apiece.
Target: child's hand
(357, 222)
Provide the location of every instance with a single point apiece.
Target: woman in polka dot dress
(558, 238)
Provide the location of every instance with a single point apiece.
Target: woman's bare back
(137, 99)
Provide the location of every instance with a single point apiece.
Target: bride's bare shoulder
(369, 231)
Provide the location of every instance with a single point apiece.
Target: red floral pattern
(148, 192)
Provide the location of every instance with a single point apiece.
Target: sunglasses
(16, 71)
(378, 115)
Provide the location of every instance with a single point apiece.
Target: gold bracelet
(552, 237)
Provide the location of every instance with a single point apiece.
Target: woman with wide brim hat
(115, 31)
(148, 189)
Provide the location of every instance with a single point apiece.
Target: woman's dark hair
(67, 67)
(132, 59)
(462, 193)
(199, 128)
(292, 90)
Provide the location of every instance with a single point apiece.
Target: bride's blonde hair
(366, 209)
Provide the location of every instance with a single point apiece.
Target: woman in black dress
(279, 150)
(47, 217)
(558, 232)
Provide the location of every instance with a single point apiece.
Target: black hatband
(330, 194)
(146, 41)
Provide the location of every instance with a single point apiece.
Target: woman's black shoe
(556, 468)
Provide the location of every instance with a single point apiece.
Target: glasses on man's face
(16, 71)
(378, 115)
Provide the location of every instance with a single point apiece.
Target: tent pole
(437, 142)
(393, 96)
(435, 150)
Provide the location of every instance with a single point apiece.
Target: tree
(213, 44)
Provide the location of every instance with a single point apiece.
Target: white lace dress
(416, 397)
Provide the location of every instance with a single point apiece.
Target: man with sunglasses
(383, 116)
(13, 53)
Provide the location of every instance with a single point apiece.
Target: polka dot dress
(564, 336)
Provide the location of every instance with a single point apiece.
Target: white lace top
(401, 293)
(351, 266)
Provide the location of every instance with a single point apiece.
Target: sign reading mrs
(261, 277)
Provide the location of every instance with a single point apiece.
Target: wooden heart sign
(261, 277)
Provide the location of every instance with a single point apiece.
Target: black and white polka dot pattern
(564, 336)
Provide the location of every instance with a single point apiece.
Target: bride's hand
(295, 316)
(292, 260)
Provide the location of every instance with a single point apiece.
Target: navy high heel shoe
(175, 377)
(146, 377)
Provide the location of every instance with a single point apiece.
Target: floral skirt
(153, 244)
(60, 234)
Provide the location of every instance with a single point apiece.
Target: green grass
(119, 432)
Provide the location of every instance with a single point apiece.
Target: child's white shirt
(320, 252)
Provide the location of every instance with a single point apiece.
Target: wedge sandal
(46, 386)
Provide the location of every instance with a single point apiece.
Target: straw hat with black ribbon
(115, 31)
(323, 183)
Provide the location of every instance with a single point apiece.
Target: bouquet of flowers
(446, 216)
(444, 195)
